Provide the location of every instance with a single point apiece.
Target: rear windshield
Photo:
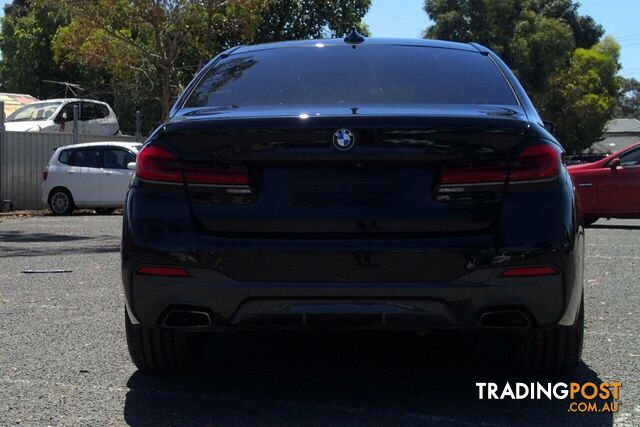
(341, 75)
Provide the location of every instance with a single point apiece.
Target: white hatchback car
(56, 115)
(93, 175)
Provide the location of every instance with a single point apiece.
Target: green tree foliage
(139, 54)
(539, 47)
(28, 28)
(585, 30)
(303, 19)
(553, 50)
(583, 96)
(26, 48)
(488, 22)
(152, 42)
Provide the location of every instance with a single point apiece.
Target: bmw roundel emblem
(343, 139)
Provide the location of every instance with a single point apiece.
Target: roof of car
(368, 41)
(125, 144)
(70, 100)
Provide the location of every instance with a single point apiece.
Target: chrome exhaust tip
(181, 318)
(508, 318)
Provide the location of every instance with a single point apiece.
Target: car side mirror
(131, 166)
(613, 164)
(550, 127)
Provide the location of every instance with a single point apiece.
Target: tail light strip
(537, 163)
(544, 270)
(160, 270)
(157, 164)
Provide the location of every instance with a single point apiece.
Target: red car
(610, 187)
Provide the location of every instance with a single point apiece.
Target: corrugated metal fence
(23, 156)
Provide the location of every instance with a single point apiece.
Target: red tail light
(535, 163)
(472, 173)
(45, 174)
(156, 270)
(217, 178)
(159, 164)
(530, 271)
(538, 162)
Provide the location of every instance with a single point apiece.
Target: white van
(56, 115)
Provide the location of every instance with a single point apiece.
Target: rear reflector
(160, 165)
(530, 271)
(154, 270)
(45, 175)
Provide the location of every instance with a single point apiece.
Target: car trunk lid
(402, 174)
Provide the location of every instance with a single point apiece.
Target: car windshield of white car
(34, 112)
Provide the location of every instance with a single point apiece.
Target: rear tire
(553, 350)
(156, 349)
(61, 201)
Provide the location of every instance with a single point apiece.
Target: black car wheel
(553, 350)
(155, 349)
(61, 202)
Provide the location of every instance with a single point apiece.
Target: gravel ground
(63, 358)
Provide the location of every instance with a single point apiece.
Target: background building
(618, 133)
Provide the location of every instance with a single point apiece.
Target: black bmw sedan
(352, 184)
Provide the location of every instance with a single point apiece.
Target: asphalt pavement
(63, 356)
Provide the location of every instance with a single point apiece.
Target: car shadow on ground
(23, 237)
(22, 244)
(100, 248)
(84, 212)
(615, 226)
(344, 379)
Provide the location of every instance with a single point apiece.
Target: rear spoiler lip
(490, 121)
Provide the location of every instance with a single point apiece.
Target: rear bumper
(233, 305)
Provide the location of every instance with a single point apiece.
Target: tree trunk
(166, 93)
